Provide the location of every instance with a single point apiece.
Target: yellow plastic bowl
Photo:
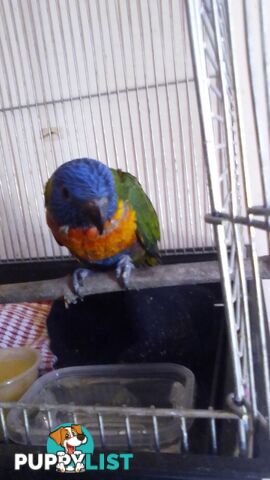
(18, 370)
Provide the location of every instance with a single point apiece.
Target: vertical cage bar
(31, 211)
(176, 176)
(179, 115)
(30, 70)
(78, 7)
(129, 432)
(149, 112)
(26, 427)
(12, 244)
(213, 430)
(126, 155)
(50, 422)
(58, 74)
(164, 157)
(101, 430)
(105, 68)
(234, 197)
(3, 424)
(194, 160)
(209, 142)
(185, 439)
(156, 433)
(74, 56)
(93, 51)
(63, 44)
(124, 68)
(254, 257)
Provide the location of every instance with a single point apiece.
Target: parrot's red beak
(92, 212)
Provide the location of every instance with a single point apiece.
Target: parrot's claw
(78, 277)
(70, 298)
(124, 269)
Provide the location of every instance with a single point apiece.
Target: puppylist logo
(70, 448)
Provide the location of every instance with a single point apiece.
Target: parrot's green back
(148, 232)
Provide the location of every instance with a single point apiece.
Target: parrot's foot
(78, 277)
(124, 269)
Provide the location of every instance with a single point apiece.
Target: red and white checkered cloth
(24, 324)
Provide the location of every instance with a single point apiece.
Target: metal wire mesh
(133, 429)
(211, 35)
(109, 80)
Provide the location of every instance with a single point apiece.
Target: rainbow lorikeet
(102, 216)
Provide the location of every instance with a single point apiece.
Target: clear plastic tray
(140, 385)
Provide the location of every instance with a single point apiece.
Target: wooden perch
(162, 275)
(141, 278)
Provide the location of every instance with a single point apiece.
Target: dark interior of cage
(183, 325)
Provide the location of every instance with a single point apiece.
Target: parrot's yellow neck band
(120, 213)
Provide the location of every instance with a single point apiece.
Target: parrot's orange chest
(87, 244)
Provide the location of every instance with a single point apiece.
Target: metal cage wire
(138, 103)
(134, 424)
(211, 34)
(108, 80)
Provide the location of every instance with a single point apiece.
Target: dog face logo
(70, 442)
(69, 437)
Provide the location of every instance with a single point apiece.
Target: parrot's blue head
(82, 194)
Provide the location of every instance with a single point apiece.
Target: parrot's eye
(65, 193)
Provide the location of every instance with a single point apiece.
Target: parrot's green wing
(148, 232)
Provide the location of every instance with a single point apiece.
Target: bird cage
(150, 87)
